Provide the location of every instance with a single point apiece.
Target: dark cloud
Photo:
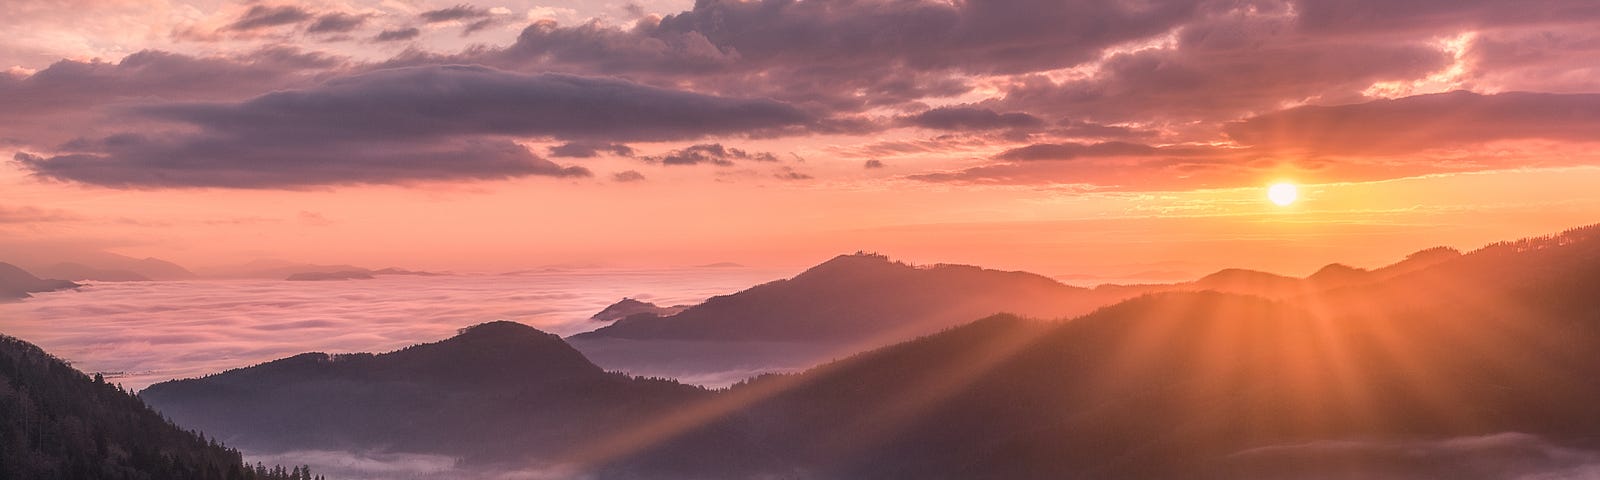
(400, 125)
(71, 98)
(406, 103)
(1424, 122)
(1068, 151)
(710, 153)
(627, 176)
(399, 34)
(1070, 128)
(589, 150)
(265, 16)
(872, 164)
(975, 37)
(945, 143)
(230, 162)
(1113, 166)
(458, 12)
(969, 118)
(840, 55)
(479, 25)
(336, 23)
(156, 75)
(1381, 16)
(1556, 59)
(1226, 65)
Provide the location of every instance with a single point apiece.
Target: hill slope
(1480, 366)
(61, 424)
(860, 296)
(496, 391)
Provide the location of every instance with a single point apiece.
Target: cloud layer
(1319, 86)
(229, 324)
(398, 125)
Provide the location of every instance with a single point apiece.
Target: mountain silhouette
(78, 271)
(16, 283)
(323, 276)
(628, 307)
(1476, 365)
(1493, 345)
(860, 296)
(110, 267)
(61, 423)
(498, 390)
(1274, 286)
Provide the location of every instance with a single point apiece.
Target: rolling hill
(62, 424)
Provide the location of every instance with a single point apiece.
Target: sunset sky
(1111, 139)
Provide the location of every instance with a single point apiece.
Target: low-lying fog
(140, 333)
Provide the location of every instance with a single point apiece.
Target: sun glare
(1283, 194)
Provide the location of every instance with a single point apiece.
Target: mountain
(78, 271)
(1477, 366)
(401, 271)
(496, 391)
(286, 270)
(859, 297)
(276, 269)
(150, 267)
(1270, 285)
(110, 267)
(628, 307)
(16, 283)
(61, 424)
(322, 276)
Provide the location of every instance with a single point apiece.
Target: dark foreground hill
(57, 423)
(497, 391)
(16, 283)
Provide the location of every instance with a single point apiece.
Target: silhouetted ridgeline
(860, 296)
(1450, 366)
(497, 391)
(16, 283)
(1480, 366)
(57, 423)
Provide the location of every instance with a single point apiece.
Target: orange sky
(1141, 152)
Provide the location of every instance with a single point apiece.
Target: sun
(1283, 194)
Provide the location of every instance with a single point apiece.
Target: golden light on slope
(1283, 193)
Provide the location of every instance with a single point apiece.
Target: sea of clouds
(140, 333)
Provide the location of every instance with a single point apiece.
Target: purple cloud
(265, 16)
(710, 153)
(1424, 122)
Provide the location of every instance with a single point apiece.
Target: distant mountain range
(16, 283)
(61, 424)
(1446, 365)
(285, 270)
(1475, 366)
(109, 267)
(856, 297)
(859, 296)
(860, 301)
